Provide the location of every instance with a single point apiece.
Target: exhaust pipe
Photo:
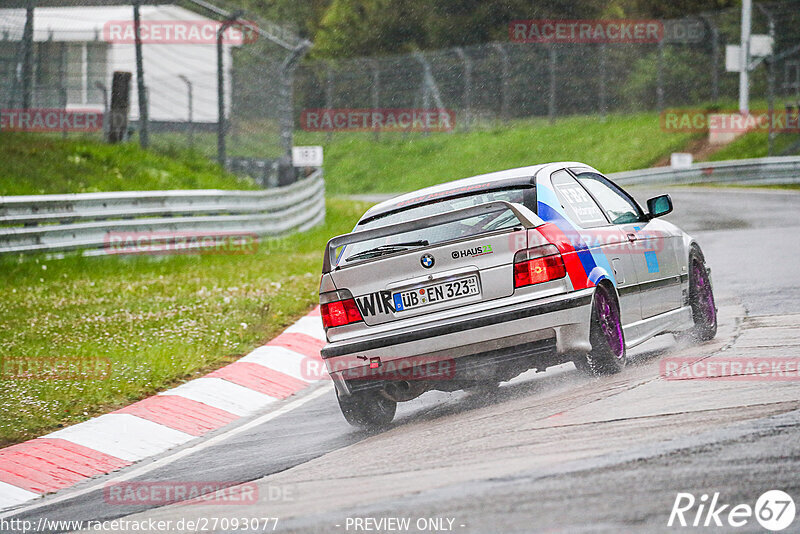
(403, 390)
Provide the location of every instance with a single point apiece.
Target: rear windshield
(488, 222)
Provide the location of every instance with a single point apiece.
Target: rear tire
(608, 355)
(701, 299)
(368, 410)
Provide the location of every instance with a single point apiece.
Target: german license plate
(435, 293)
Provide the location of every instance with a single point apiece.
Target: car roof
(520, 176)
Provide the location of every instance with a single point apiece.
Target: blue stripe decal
(563, 224)
(595, 263)
(652, 261)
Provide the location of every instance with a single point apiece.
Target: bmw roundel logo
(427, 261)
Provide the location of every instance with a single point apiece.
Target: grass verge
(357, 163)
(132, 326)
(36, 164)
(754, 145)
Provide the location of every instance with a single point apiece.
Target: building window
(73, 69)
(96, 71)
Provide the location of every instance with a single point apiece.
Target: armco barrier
(761, 171)
(83, 221)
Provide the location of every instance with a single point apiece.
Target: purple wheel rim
(610, 326)
(704, 297)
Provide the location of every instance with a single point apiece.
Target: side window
(619, 208)
(579, 205)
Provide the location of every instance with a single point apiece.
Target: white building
(77, 48)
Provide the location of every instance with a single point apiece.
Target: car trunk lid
(430, 278)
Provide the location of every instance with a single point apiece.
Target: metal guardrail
(36, 223)
(264, 171)
(760, 171)
(83, 221)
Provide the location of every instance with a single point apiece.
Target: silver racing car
(468, 284)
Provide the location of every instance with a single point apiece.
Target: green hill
(357, 163)
(40, 164)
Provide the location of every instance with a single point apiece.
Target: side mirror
(658, 206)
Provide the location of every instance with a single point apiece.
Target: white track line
(144, 469)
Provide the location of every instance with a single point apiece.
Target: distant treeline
(348, 28)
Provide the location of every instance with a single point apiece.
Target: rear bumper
(564, 319)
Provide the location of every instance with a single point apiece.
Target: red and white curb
(156, 424)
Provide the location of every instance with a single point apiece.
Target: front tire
(701, 300)
(608, 355)
(367, 410)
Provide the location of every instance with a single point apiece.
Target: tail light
(537, 265)
(338, 309)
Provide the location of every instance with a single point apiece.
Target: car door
(652, 252)
(601, 237)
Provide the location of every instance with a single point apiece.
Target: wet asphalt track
(550, 452)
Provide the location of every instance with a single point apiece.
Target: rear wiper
(386, 249)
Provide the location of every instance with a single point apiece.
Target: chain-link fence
(508, 80)
(61, 56)
(783, 74)
(204, 77)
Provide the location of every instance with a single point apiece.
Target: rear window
(489, 222)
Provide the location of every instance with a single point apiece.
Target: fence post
(551, 107)
(188, 83)
(375, 92)
(467, 87)
(144, 137)
(714, 57)
(328, 85)
(770, 82)
(660, 77)
(429, 88)
(120, 106)
(329, 93)
(27, 57)
(104, 89)
(233, 125)
(771, 104)
(504, 74)
(62, 71)
(287, 95)
(426, 92)
(222, 157)
(603, 88)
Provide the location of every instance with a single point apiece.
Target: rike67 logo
(774, 510)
